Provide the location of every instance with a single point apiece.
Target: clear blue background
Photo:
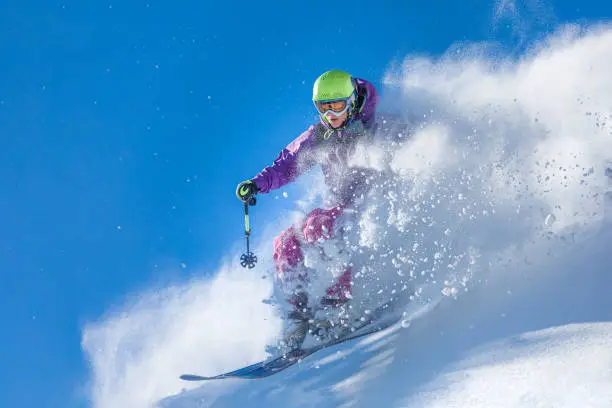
(125, 127)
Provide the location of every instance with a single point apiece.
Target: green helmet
(334, 84)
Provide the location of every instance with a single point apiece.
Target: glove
(246, 192)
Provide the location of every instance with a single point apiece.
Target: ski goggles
(337, 106)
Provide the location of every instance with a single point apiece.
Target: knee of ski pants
(318, 224)
(287, 250)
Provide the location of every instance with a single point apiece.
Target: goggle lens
(334, 106)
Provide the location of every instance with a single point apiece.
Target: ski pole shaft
(247, 226)
(248, 259)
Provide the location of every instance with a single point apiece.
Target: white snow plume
(510, 155)
(502, 178)
(206, 326)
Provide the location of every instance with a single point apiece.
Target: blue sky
(125, 128)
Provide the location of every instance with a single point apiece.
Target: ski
(267, 368)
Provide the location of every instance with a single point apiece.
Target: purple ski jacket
(329, 148)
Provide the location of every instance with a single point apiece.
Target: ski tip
(192, 377)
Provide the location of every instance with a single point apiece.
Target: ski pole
(248, 259)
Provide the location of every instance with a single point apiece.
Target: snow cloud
(532, 131)
(137, 353)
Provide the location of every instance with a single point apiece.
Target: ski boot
(332, 318)
(299, 319)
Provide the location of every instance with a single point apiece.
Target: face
(336, 121)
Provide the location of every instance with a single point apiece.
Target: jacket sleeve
(368, 111)
(291, 163)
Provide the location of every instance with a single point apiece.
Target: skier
(346, 107)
